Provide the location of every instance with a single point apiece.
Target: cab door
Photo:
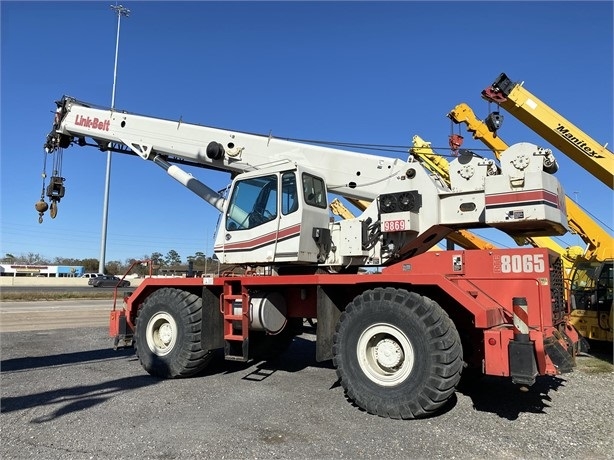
(250, 225)
(269, 218)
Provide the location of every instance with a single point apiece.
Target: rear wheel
(397, 353)
(168, 334)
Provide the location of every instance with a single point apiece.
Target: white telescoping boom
(411, 208)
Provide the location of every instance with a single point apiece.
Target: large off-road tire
(168, 334)
(397, 353)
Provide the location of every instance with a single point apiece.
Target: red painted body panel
(482, 282)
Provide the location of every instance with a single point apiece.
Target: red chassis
(476, 288)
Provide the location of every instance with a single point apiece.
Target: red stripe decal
(515, 197)
(263, 239)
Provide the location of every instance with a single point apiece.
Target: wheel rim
(161, 334)
(385, 354)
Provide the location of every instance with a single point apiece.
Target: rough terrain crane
(587, 269)
(399, 339)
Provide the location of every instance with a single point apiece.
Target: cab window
(253, 202)
(314, 191)
(289, 198)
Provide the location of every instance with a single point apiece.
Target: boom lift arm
(410, 210)
(560, 132)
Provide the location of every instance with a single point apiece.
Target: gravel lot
(66, 394)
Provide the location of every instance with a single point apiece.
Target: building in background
(49, 271)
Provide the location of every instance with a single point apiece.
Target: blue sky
(366, 72)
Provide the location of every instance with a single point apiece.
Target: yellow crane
(554, 128)
(585, 267)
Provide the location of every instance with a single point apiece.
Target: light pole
(120, 11)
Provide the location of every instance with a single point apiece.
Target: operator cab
(275, 215)
(592, 286)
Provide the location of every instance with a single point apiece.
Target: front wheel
(397, 353)
(168, 334)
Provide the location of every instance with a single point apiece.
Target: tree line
(198, 263)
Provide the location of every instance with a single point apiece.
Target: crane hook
(53, 209)
(41, 206)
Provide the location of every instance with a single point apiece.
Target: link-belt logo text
(93, 123)
(564, 132)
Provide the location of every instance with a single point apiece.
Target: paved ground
(67, 395)
(36, 316)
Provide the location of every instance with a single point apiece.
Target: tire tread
(190, 357)
(445, 353)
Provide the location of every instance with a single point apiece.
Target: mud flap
(523, 365)
(212, 332)
(120, 331)
(562, 359)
